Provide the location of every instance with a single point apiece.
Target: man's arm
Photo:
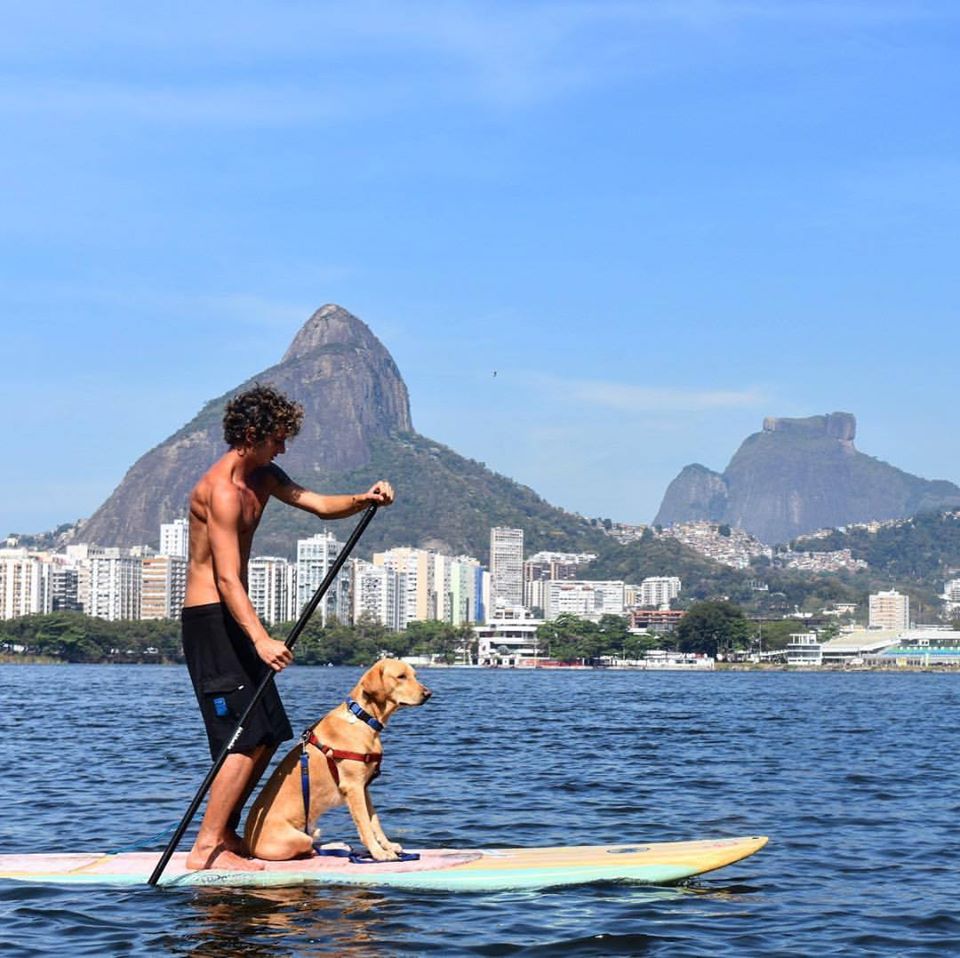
(326, 507)
(223, 530)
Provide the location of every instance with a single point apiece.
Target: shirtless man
(227, 649)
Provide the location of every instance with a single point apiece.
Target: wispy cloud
(510, 56)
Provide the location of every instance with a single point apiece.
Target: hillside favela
(752, 568)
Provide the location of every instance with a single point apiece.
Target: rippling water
(853, 776)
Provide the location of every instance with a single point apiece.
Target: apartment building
(271, 584)
(163, 586)
(657, 592)
(889, 610)
(175, 538)
(506, 566)
(587, 599)
(315, 556)
(24, 584)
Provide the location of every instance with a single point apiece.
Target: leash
(363, 858)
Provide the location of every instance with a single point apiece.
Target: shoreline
(9, 659)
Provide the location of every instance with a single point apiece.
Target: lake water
(853, 776)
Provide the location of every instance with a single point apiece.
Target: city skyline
(655, 223)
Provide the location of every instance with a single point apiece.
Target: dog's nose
(426, 693)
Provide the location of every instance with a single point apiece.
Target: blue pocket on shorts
(222, 692)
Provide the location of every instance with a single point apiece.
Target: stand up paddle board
(490, 869)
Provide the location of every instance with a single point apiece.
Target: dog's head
(391, 680)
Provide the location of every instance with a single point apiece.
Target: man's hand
(274, 653)
(381, 493)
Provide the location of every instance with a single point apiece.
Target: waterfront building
(921, 648)
(315, 556)
(657, 592)
(506, 566)
(24, 584)
(851, 648)
(667, 660)
(163, 587)
(109, 584)
(271, 582)
(889, 610)
(804, 649)
(175, 538)
(585, 598)
(508, 638)
(376, 593)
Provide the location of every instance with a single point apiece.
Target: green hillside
(924, 550)
(444, 501)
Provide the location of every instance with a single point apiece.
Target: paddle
(308, 611)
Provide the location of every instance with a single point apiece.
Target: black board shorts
(226, 672)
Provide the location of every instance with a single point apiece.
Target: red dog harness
(332, 755)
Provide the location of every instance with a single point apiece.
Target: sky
(657, 222)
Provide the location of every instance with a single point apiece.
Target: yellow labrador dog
(341, 755)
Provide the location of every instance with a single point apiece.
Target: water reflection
(262, 923)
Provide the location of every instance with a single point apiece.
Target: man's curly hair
(264, 411)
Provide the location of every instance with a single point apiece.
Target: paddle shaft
(291, 639)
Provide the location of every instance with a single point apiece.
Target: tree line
(75, 637)
(709, 627)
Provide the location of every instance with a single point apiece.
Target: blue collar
(363, 715)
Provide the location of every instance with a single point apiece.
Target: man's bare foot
(232, 842)
(220, 857)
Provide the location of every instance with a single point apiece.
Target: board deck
(490, 869)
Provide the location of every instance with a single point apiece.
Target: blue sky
(658, 221)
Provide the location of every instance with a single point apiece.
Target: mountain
(797, 476)
(357, 429)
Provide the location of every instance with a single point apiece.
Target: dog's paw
(383, 854)
(393, 847)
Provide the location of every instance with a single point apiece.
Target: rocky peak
(835, 425)
(799, 475)
(331, 325)
(353, 397)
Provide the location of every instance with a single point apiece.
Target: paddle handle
(290, 641)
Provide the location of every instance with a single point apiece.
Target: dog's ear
(372, 682)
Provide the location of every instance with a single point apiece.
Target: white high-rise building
(315, 556)
(416, 571)
(175, 538)
(585, 598)
(63, 586)
(657, 592)
(109, 584)
(271, 583)
(540, 568)
(376, 593)
(506, 566)
(889, 610)
(164, 586)
(24, 584)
